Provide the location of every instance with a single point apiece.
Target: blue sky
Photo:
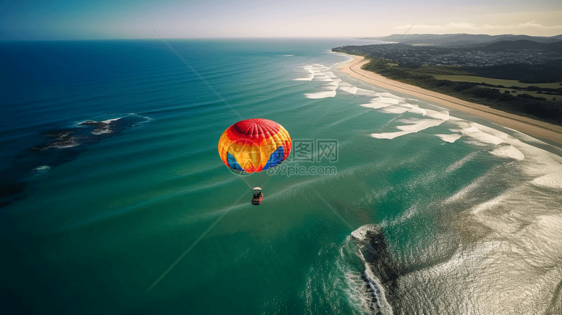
(101, 19)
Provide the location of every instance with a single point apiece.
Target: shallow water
(468, 210)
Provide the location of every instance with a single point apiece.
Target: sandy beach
(523, 124)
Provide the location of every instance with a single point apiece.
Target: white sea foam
(451, 138)
(348, 88)
(364, 92)
(107, 121)
(413, 125)
(443, 115)
(396, 109)
(481, 137)
(322, 94)
(101, 131)
(387, 100)
(508, 151)
(321, 73)
(408, 129)
(416, 110)
(361, 232)
(391, 104)
(310, 75)
(375, 104)
(321, 77)
(41, 169)
(458, 164)
(111, 120)
(549, 180)
(64, 144)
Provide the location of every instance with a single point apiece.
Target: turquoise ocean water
(466, 213)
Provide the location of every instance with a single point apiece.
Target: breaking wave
(340, 281)
(498, 248)
(494, 246)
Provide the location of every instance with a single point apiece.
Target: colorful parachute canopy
(254, 145)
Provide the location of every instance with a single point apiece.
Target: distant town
(414, 56)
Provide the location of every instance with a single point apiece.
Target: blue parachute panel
(232, 163)
(275, 158)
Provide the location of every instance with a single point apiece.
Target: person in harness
(252, 147)
(258, 196)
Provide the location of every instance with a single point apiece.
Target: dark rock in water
(59, 146)
(103, 127)
(375, 254)
(61, 139)
(87, 132)
(94, 123)
(381, 273)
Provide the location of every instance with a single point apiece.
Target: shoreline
(523, 124)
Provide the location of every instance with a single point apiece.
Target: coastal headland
(523, 124)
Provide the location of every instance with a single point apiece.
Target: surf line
(338, 99)
(194, 244)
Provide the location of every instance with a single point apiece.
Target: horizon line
(260, 37)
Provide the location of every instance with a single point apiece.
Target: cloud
(462, 25)
(471, 26)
